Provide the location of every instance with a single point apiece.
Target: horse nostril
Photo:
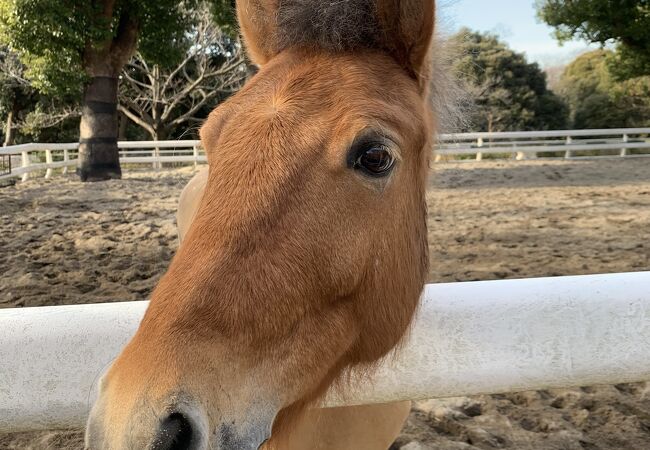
(175, 433)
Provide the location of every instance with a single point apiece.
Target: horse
(304, 243)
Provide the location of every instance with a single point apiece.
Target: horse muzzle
(182, 429)
(178, 432)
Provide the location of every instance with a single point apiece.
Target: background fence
(26, 159)
(608, 143)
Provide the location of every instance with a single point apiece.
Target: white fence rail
(468, 338)
(30, 158)
(621, 142)
(575, 144)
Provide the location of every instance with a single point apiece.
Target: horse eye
(375, 160)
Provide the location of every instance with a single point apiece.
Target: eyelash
(380, 167)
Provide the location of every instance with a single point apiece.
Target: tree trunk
(103, 61)
(124, 121)
(10, 131)
(98, 153)
(159, 134)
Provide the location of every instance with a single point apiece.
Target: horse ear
(407, 32)
(403, 28)
(258, 21)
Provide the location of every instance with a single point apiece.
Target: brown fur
(402, 28)
(296, 268)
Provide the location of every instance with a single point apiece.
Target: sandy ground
(66, 242)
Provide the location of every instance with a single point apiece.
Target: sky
(515, 22)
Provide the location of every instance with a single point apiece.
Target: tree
(162, 98)
(75, 47)
(16, 92)
(597, 99)
(627, 22)
(29, 113)
(508, 92)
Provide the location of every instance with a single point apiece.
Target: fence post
(195, 153)
(25, 163)
(624, 149)
(569, 141)
(66, 158)
(48, 161)
(519, 155)
(479, 144)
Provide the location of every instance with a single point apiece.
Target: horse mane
(450, 101)
(331, 25)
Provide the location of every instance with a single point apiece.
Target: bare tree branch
(46, 118)
(160, 99)
(138, 120)
(12, 69)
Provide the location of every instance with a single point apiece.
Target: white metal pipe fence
(574, 144)
(32, 158)
(468, 338)
(618, 142)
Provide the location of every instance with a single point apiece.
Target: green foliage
(57, 45)
(508, 92)
(50, 37)
(44, 124)
(627, 22)
(225, 16)
(53, 36)
(597, 99)
(12, 88)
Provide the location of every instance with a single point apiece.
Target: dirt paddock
(63, 242)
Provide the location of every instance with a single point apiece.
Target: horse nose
(178, 432)
(175, 433)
